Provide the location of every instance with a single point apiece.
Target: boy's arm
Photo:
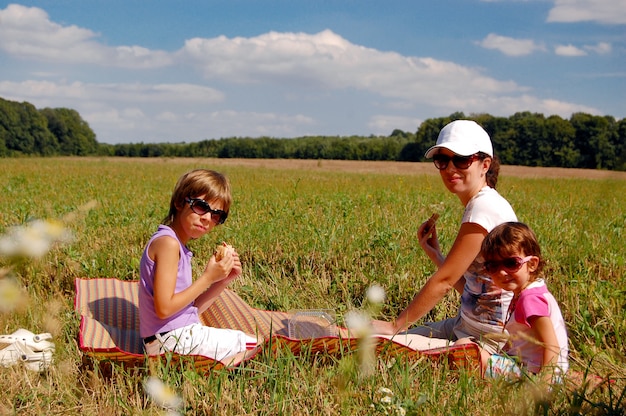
(207, 298)
(165, 252)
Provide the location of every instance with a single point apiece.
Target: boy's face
(198, 216)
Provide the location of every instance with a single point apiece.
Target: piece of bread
(431, 221)
(222, 250)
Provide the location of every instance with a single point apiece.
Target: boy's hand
(222, 250)
(228, 258)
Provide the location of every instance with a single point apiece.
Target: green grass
(309, 239)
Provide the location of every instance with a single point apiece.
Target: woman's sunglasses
(509, 265)
(201, 207)
(460, 162)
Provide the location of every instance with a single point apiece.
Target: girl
(169, 301)
(464, 157)
(537, 332)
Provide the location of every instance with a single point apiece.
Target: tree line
(525, 138)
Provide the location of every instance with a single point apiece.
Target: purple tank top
(149, 323)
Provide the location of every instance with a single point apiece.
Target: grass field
(311, 236)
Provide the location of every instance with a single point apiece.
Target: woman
(464, 156)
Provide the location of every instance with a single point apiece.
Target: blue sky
(173, 71)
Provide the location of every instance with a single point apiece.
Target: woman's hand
(427, 236)
(383, 327)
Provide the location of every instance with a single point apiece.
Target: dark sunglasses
(201, 207)
(509, 265)
(460, 162)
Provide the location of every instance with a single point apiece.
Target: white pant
(198, 339)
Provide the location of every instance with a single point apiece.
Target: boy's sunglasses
(509, 265)
(201, 207)
(460, 162)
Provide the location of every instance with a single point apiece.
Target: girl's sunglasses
(460, 162)
(509, 265)
(201, 207)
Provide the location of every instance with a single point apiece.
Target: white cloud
(511, 105)
(325, 60)
(46, 93)
(510, 46)
(27, 32)
(569, 50)
(599, 11)
(601, 48)
(385, 124)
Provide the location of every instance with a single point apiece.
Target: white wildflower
(400, 410)
(359, 323)
(12, 295)
(375, 294)
(385, 400)
(385, 391)
(162, 394)
(34, 239)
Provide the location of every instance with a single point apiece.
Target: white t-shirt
(483, 304)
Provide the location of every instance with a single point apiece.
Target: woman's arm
(165, 252)
(464, 250)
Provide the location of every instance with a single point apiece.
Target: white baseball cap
(463, 137)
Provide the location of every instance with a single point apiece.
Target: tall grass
(310, 239)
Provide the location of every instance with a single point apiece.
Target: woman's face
(465, 183)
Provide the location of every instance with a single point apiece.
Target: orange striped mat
(109, 328)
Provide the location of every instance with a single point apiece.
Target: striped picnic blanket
(109, 329)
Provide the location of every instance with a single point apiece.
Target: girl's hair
(494, 169)
(209, 184)
(509, 239)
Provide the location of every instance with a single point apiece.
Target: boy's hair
(512, 238)
(209, 184)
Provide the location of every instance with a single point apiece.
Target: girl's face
(194, 222)
(465, 183)
(512, 273)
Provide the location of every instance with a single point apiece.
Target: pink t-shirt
(536, 300)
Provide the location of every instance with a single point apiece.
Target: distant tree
(620, 145)
(74, 135)
(525, 138)
(502, 136)
(594, 140)
(528, 130)
(427, 133)
(23, 130)
(560, 150)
